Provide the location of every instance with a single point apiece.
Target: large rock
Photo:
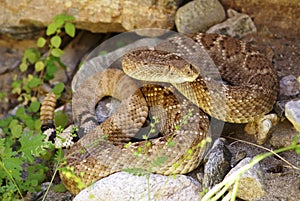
(198, 16)
(124, 186)
(96, 16)
(237, 25)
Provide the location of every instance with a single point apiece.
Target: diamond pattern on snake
(248, 90)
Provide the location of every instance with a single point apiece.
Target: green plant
(19, 172)
(45, 65)
(23, 142)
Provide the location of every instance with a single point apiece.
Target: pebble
(292, 113)
(237, 25)
(261, 127)
(105, 108)
(251, 185)
(284, 135)
(125, 186)
(289, 86)
(198, 16)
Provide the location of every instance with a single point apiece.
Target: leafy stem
(12, 179)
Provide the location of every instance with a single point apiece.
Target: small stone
(198, 16)
(279, 107)
(261, 127)
(237, 25)
(292, 113)
(284, 135)
(52, 195)
(217, 165)
(125, 186)
(289, 86)
(251, 182)
(106, 107)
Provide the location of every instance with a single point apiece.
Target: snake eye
(170, 70)
(189, 69)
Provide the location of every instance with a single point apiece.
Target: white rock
(292, 113)
(124, 186)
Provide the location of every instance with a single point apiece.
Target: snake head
(158, 66)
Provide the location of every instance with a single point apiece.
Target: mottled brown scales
(250, 90)
(252, 84)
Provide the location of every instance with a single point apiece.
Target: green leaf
(4, 124)
(23, 67)
(16, 85)
(14, 166)
(30, 144)
(39, 66)
(32, 55)
(55, 41)
(29, 122)
(70, 18)
(37, 124)
(57, 52)
(20, 112)
(59, 188)
(36, 172)
(70, 29)
(41, 42)
(51, 68)
(297, 149)
(34, 82)
(60, 119)
(59, 22)
(15, 128)
(51, 29)
(34, 106)
(58, 88)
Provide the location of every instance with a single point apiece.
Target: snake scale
(249, 91)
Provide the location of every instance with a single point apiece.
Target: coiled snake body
(250, 92)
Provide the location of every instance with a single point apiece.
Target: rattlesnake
(250, 91)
